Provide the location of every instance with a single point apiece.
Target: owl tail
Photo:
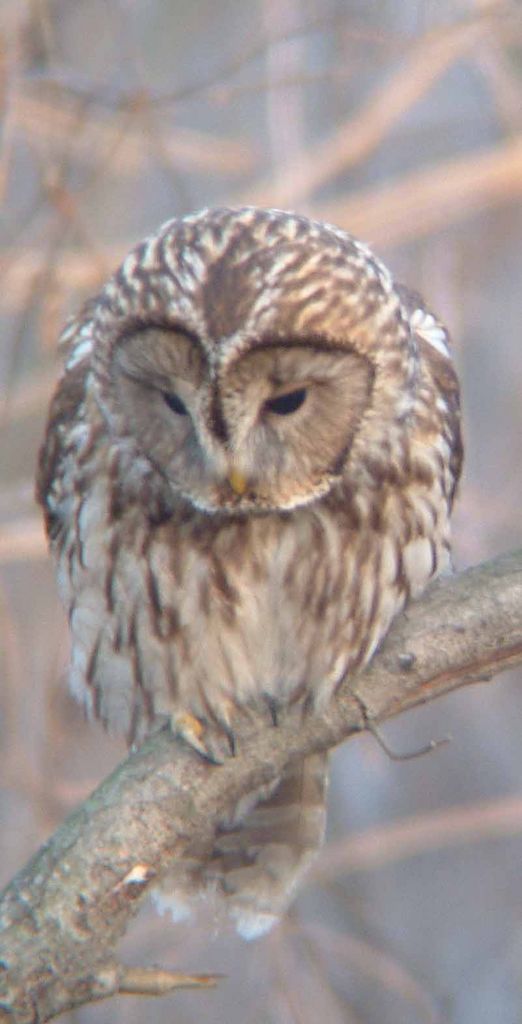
(259, 856)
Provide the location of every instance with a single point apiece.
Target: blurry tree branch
(63, 914)
(421, 202)
(360, 135)
(37, 116)
(429, 200)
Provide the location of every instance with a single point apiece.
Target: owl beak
(237, 482)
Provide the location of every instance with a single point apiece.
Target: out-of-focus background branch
(401, 121)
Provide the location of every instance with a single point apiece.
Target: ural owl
(249, 467)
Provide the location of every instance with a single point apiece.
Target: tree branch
(63, 914)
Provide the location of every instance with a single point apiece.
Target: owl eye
(175, 403)
(283, 405)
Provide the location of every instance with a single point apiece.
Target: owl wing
(435, 346)
(64, 415)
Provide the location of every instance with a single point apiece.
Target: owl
(248, 470)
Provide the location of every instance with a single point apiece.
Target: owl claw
(231, 739)
(225, 721)
(190, 729)
(215, 745)
(273, 708)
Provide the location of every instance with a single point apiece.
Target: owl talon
(191, 729)
(231, 740)
(273, 708)
(215, 743)
(226, 712)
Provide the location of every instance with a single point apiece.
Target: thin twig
(155, 981)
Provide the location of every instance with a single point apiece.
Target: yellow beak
(237, 481)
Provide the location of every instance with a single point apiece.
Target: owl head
(251, 356)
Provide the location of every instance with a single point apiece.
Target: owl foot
(215, 743)
(293, 710)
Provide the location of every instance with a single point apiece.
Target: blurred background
(401, 121)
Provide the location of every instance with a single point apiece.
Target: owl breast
(201, 613)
